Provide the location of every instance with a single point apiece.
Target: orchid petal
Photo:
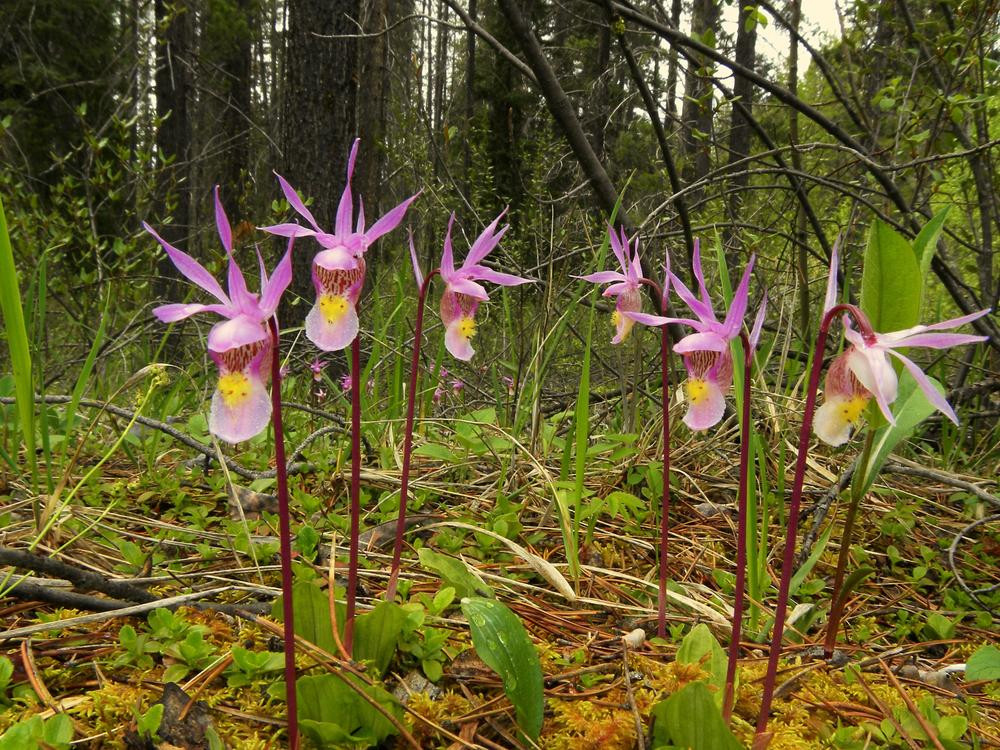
(332, 335)
(699, 275)
(222, 222)
(602, 277)
(758, 323)
(190, 268)
(234, 423)
(646, 319)
(295, 202)
(895, 337)
(457, 343)
(666, 278)
(706, 411)
(706, 341)
(925, 385)
(620, 288)
(831, 281)
(488, 239)
(617, 248)
(830, 424)
(468, 287)
(635, 267)
(238, 291)
(290, 230)
(179, 311)
(345, 209)
(703, 311)
(448, 254)
(417, 273)
(483, 273)
(336, 259)
(873, 370)
(272, 289)
(935, 340)
(360, 227)
(239, 331)
(390, 221)
(738, 307)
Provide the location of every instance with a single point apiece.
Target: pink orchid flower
(338, 270)
(317, 366)
(865, 369)
(625, 286)
(707, 356)
(462, 294)
(240, 345)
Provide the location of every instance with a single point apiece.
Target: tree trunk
(739, 128)
(173, 138)
(696, 118)
(318, 114)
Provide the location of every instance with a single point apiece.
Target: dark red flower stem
(285, 528)
(404, 482)
(661, 626)
(741, 533)
(352, 564)
(796, 499)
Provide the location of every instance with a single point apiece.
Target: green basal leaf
(454, 573)
(700, 647)
(333, 714)
(910, 409)
(984, 664)
(503, 644)
(691, 719)
(891, 283)
(376, 634)
(311, 612)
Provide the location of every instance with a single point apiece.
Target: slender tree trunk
(373, 59)
(173, 137)
(696, 118)
(320, 92)
(470, 103)
(801, 254)
(673, 63)
(740, 131)
(226, 46)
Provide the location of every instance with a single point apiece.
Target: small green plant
(250, 666)
(147, 723)
(194, 653)
(137, 648)
(39, 734)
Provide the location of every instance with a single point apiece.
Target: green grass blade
(20, 353)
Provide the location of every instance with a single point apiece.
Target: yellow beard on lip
(234, 387)
(467, 327)
(333, 308)
(617, 319)
(696, 390)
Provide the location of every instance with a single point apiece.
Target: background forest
(745, 125)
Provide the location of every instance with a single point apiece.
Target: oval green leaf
(503, 644)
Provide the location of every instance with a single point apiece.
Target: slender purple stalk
(352, 565)
(285, 540)
(665, 498)
(741, 533)
(661, 627)
(404, 485)
(793, 509)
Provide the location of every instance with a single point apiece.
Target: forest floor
(176, 530)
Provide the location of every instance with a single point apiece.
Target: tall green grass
(20, 353)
